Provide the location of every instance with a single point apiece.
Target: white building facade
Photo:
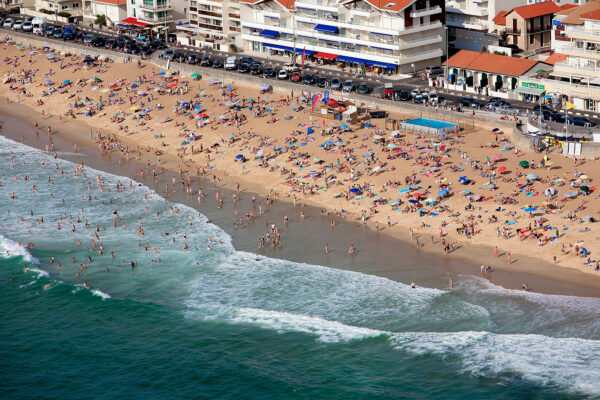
(214, 23)
(401, 36)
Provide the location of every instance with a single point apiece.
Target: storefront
(530, 92)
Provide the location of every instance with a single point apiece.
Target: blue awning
(268, 33)
(383, 34)
(306, 8)
(326, 28)
(382, 64)
(351, 60)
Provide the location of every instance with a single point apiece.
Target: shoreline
(555, 280)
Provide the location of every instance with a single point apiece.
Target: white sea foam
(101, 294)
(569, 362)
(10, 249)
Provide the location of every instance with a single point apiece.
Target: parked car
(269, 72)
(8, 23)
(363, 88)
(27, 26)
(322, 82)
(582, 121)
(98, 41)
(18, 25)
(434, 71)
(537, 107)
(58, 33)
(256, 69)
(295, 77)
(559, 117)
(476, 104)
(433, 97)
(247, 60)
(466, 101)
(88, 38)
(217, 63)
(336, 84)
(498, 100)
(283, 74)
(243, 68)
(349, 86)
(492, 106)
(180, 56)
(507, 109)
(49, 31)
(402, 95)
(206, 61)
(192, 59)
(231, 63)
(309, 79)
(166, 55)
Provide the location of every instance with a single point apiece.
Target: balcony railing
(538, 29)
(512, 31)
(425, 11)
(420, 27)
(209, 13)
(155, 6)
(236, 16)
(211, 27)
(155, 19)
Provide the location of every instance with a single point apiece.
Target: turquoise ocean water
(230, 324)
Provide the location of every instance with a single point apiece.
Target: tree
(100, 20)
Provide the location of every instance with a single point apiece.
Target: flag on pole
(315, 99)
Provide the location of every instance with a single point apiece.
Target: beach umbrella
(134, 108)
(549, 192)
(529, 209)
(495, 130)
(265, 86)
(588, 217)
(114, 86)
(203, 115)
(532, 176)
(48, 81)
(466, 191)
(260, 153)
(162, 73)
(501, 169)
(463, 179)
(194, 75)
(417, 194)
(172, 85)
(134, 85)
(66, 82)
(524, 164)
(50, 56)
(141, 92)
(239, 157)
(413, 201)
(584, 189)
(443, 192)
(354, 190)
(97, 79)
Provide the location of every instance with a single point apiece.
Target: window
(590, 105)
(75, 5)
(531, 39)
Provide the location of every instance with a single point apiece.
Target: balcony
(564, 38)
(538, 29)
(209, 14)
(317, 5)
(420, 42)
(159, 6)
(583, 53)
(578, 70)
(585, 34)
(425, 12)
(234, 16)
(420, 28)
(210, 27)
(455, 8)
(155, 19)
(476, 25)
(425, 55)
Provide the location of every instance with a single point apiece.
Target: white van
(38, 25)
(231, 63)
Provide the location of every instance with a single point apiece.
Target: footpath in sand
(473, 187)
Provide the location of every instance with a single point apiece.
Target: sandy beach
(465, 195)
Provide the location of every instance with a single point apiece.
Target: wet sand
(379, 253)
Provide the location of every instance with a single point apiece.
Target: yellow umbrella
(134, 108)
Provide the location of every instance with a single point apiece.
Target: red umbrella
(501, 169)
(173, 85)
(114, 87)
(417, 194)
(202, 115)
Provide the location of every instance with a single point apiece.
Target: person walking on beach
(509, 259)
(496, 251)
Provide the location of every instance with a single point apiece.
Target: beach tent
(549, 192)
(524, 164)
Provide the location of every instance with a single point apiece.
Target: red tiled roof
(500, 18)
(536, 9)
(392, 5)
(567, 6)
(595, 15)
(554, 58)
(495, 63)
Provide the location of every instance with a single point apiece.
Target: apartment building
(155, 13)
(212, 22)
(529, 27)
(578, 77)
(395, 36)
(470, 25)
(8, 4)
(73, 7)
(114, 10)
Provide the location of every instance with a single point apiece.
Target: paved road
(375, 82)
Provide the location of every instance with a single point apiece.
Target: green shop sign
(532, 85)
